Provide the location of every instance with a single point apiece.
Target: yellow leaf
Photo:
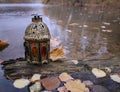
(115, 77)
(21, 83)
(76, 86)
(57, 54)
(98, 73)
(65, 77)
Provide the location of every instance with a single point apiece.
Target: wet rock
(111, 85)
(88, 83)
(50, 83)
(99, 88)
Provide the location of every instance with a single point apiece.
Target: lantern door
(34, 52)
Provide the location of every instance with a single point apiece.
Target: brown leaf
(3, 45)
(57, 54)
(50, 83)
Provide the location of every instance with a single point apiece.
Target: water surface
(80, 31)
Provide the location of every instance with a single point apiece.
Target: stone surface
(99, 88)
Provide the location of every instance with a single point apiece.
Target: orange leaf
(3, 45)
(57, 54)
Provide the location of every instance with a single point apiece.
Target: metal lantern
(37, 41)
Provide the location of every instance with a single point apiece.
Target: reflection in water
(78, 29)
(84, 32)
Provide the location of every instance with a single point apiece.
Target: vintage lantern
(37, 41)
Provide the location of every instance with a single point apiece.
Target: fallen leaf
(35, 77)
(46, 91)
(21, 83)
(104, 30)
(75, 61)
(115, 77)
(85, 25)
(54, 42)
(57, 54)
(106, 23)
(62, 89)
(50, 83)
(1, 61)
(35, 87)
(109, 31)
(76, 86)
(3, 45)
(65, 77)
(98, 73)
(80, 26)
(103, 27)
(68, 30)
(96, 28)
(73, 24)
(60, 21)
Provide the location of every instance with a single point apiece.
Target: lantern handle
(36, 17)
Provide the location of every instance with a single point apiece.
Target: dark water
(80, 30)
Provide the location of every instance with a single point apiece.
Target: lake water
(80, 30)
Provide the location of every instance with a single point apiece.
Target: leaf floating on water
(106, 23)
(57, 54)
(68, 30)
(109, 31)
(103, 27)
(21, 83)
(98, 73)
(96, 28)
(54, 42)
(104, 30)
(65, 77)
(76, 86)
(60, 21)
(75, 61)
(3, 45)
(73, 24)
(35, 77)
(1, 61)
(85, 25)
(51, 83)
(115, 77)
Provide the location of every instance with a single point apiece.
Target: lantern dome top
(37, 30)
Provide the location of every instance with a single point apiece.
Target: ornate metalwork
(37, 41)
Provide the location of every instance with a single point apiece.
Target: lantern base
(45, 61)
